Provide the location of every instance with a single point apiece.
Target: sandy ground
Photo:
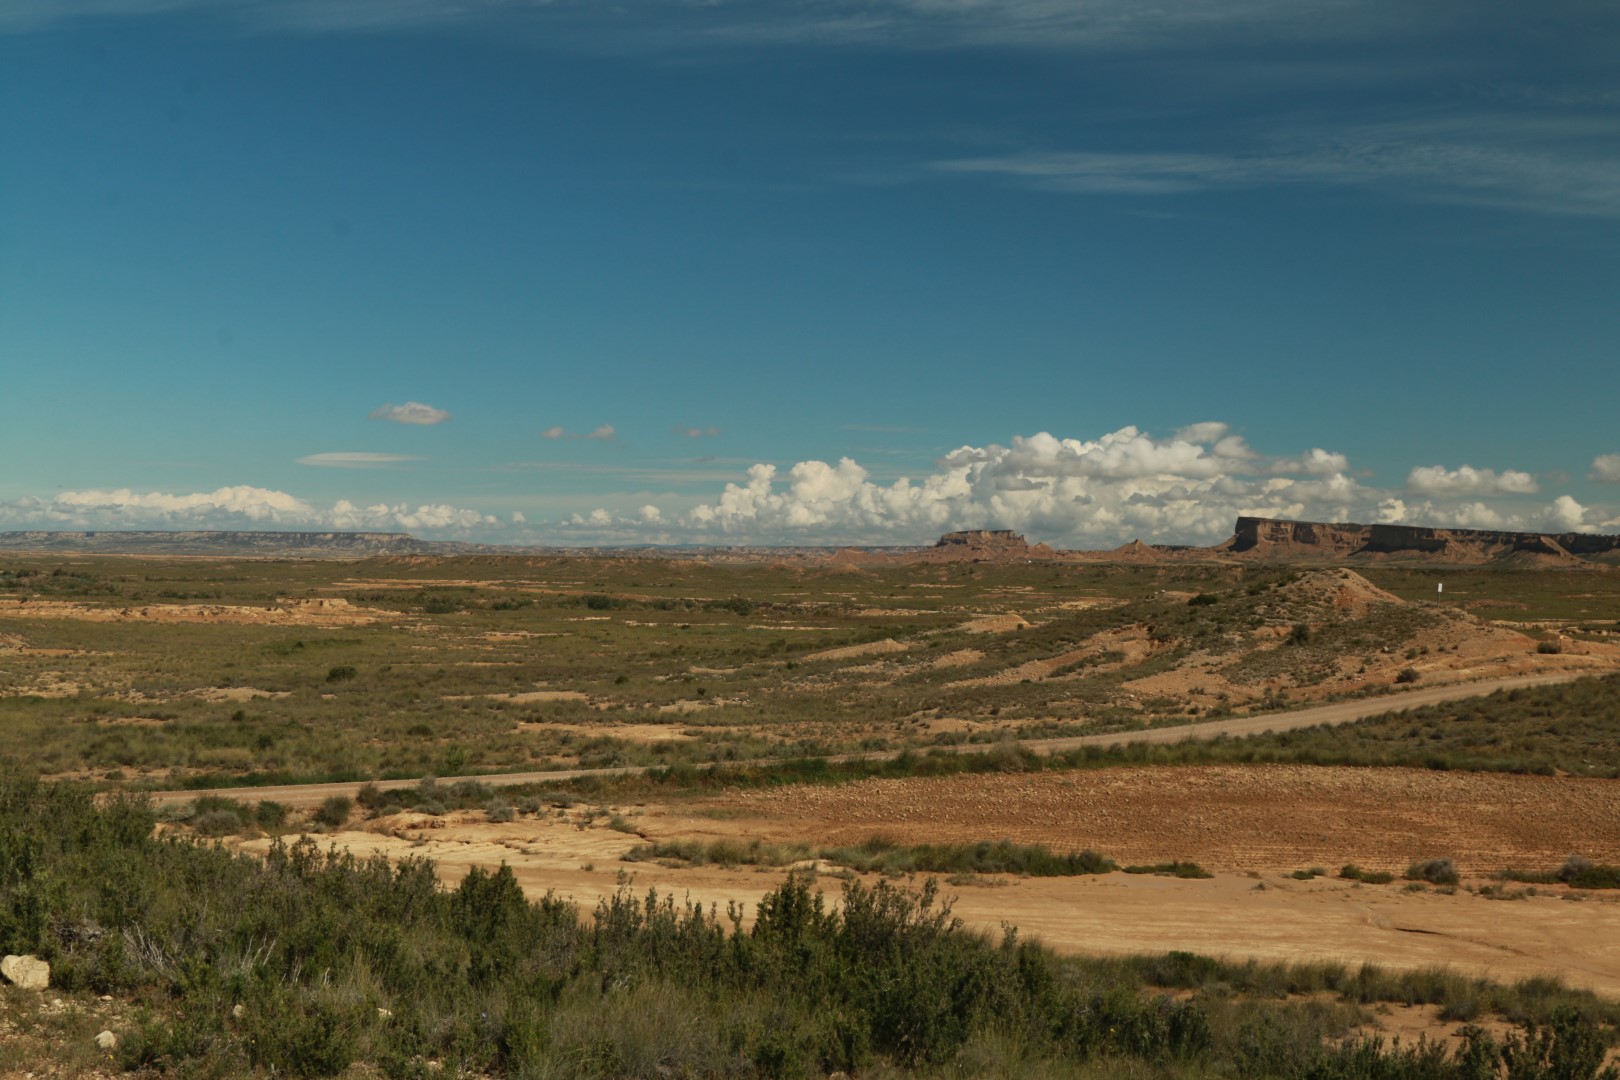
(1266, 916)
(1250, 817)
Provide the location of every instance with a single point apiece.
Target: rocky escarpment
(1269, 538)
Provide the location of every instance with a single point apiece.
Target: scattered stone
(28, 972)
(237, 1011)
(384, 1014)
(106, 1040)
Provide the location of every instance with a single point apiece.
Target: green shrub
(268, 814)
(341, 673)
(1434, 871)
(1179, 868)
(334, 811)
(1582, 873)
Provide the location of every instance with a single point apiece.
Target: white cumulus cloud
(1467, 480)
(1567, 515)
(601, 433)
(412, 412)
(1606, 469)
(1080, 492)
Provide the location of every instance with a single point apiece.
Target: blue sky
(1086, 268)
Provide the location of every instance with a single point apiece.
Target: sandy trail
(1338, 713)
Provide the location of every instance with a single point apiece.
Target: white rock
(106, 1040)
(28, 972)
(384, 1014)
(237, 1011)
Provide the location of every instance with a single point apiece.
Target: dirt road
(1343, 712)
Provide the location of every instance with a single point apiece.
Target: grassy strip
(1179, 868)
(881, 855)
(322, 963)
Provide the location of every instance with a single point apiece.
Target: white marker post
(1440, 591)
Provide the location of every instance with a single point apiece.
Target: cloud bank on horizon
(1128, 484)
(239, 507)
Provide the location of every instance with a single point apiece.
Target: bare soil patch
(237, 693)
(958, 658)
(851, 652)
(315, 612)
(644, 733)
(1223, 817)
(995, 624)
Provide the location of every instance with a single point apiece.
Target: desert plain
(1273, 749)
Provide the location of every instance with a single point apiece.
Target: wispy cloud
(918, 24)
(411, 412)
(643, 474)
(695, 432)
(884, 429)
(1549, 165)
(356, 459)
(601, 433)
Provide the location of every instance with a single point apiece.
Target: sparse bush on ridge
(1434, 871)
(334, 811)
(1578, 872)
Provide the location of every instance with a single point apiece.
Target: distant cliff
(1270, 538)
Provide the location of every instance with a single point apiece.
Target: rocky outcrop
(27, 972)
(981, 538)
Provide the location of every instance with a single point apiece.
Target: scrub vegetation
(323, 964)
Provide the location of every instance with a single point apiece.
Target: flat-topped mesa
(981, 538)
(1272, 538)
